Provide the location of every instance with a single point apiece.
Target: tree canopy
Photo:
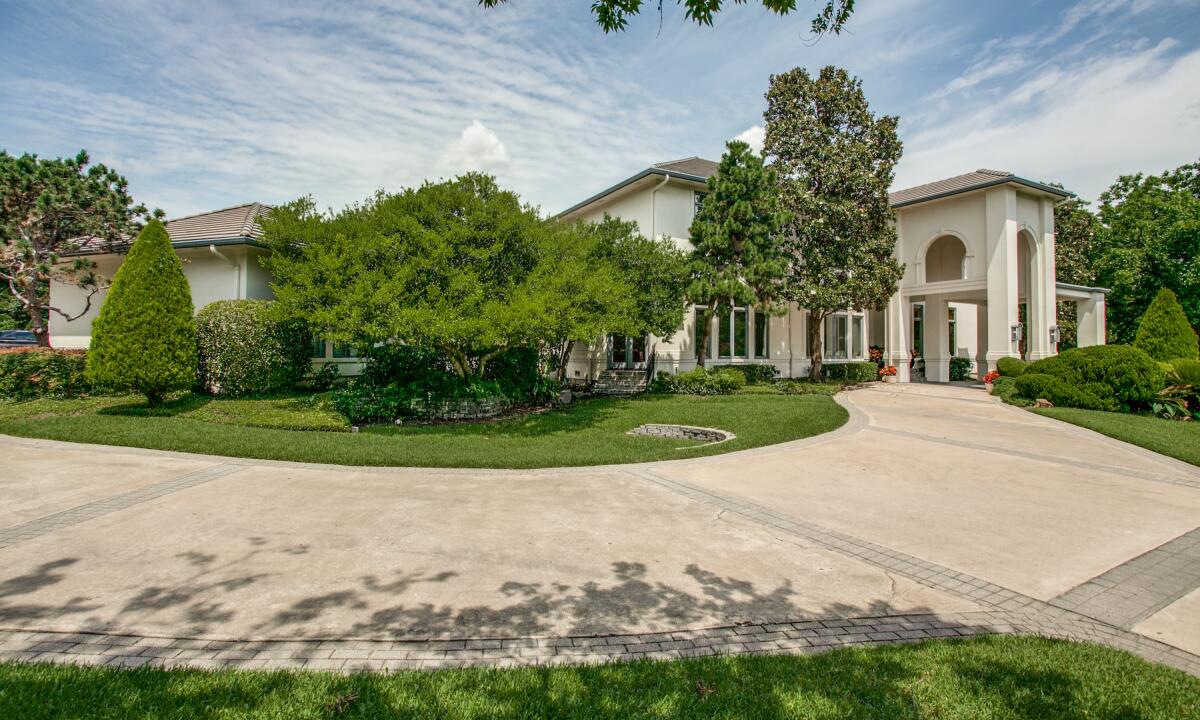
(835, 161)
(144, 338)
(47, 209)
(613, 15)
(738, 258)
(461, 266)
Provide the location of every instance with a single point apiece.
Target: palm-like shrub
(1164, 331)
(244, 350)
(144, 338)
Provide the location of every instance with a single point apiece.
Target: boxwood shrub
(960, 368)
(1005, 388)
(851, 372)
(1011, 366)
(244, 350)
(1092, 396)
(28, 373)
(756, 372)
(1124, 374)
(716, 381)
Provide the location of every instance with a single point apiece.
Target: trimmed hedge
(717, 381)
(29, 373)
(1093, 396)
(851, 372)
(1164, 332)
(243, 350)
(960, 368)
(1123, 377)
(756, 372)
(1011, 366)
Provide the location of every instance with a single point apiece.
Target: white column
(1001, 238)
(981, 339)
(897, 321)
(1043, 289)
(937, 338)
(1089, 315)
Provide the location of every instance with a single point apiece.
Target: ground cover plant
(586, 432)
(994, 678)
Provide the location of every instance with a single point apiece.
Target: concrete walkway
(934, 512)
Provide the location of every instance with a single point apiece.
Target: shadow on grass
(169, 408)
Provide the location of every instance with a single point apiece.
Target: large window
(844, 336)
(918, 330)
(317, 350)
(342, 351)
(697, 200)
(762, 322)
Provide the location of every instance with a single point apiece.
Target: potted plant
(989, 379)
(887, 373)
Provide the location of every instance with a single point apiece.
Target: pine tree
(145, 336)
(835, 161)
(1164, 331)
(738, 258)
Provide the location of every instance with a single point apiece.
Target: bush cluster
(1011, 366)
(756, 372)
(960, 368)
(1005, 388)
(1101, 377)
(244, 350)
(714, 381)
(1092, 396)
(1164, 332)
(29, 373)
(851, 372)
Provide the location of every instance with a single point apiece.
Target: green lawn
(1177, 439)
(588, 432)
(1002, 677)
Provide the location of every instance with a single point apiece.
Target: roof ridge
(997, 173)
(214, 212)
(672, 162)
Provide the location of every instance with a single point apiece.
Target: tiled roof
(235, 223)
(697, 166)
(965, 183)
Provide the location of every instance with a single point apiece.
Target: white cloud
(754, 136)
(477, 148)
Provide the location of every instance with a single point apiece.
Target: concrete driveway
(935, 511)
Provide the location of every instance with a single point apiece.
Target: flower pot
(988, 387)
(889, 378)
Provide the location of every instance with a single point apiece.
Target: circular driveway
(935, 511)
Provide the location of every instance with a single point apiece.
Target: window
(317, 351)
(724, 347)
(733, 334)
(953, 331)
(918, 330)
(697, 201)
(342, 351)
(740, 333)
(762, 322)
(844, 336)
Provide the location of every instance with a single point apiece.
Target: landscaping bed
(587, 432)
(997, 677)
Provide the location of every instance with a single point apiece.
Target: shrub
(756, 372)
(1184, 371)
(1130, 377)
(362, 401)
(960, 368)
(243, 350)
(809, 387)
(1011, 366)
(515, 371)
(1164, 332)
(1093, 396)
(144, 338)
(28, 373)
(717, 381)
(851, 372)
(1005, 388)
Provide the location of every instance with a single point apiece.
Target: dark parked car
(17, 338)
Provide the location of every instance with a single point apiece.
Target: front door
(626, 352)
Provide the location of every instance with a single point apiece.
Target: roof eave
(1049, 189)
(629, 181)
(223, 241)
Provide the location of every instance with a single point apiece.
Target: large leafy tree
(1149, 239)
(738, 257)
(613, 15)
(144, 338)
(835, 161)
(48, 208)
(1075, 247)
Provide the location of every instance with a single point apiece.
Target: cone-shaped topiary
(1164, 331)
(145, 336)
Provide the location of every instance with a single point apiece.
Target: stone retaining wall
(683, 432)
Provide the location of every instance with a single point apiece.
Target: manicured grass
(1180, 440)
(1005, 677)
(588, 432)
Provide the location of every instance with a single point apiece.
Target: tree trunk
(702, 342)
(563, 359)
(38, 321)
(815, 321)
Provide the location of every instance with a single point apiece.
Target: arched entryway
(1026, 279)
(945, 260)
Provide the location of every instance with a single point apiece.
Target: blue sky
(211, 104)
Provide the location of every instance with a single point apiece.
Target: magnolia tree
(462, 266)
(835, 161)
(48, 208)
(738, 259)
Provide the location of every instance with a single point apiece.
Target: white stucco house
(979, 281)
